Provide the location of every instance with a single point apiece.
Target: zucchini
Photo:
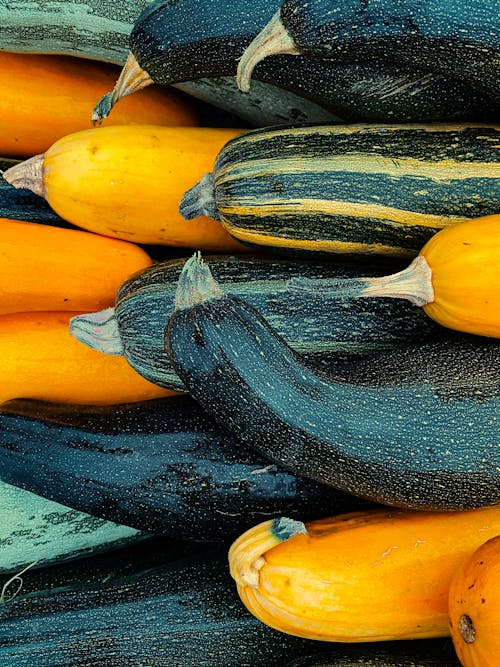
(424, 437)
(460, 40)
(350, 189)
(324, 334)
(161, 466)
(424, 653)
(181, 41)
(34, 530)
(185, 613)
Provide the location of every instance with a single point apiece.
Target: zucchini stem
(98, 331)
(413, 284)
(196, 284)
(27, 174)
(132, 78)
(200, 200)
(271, 40)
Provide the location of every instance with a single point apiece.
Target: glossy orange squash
(376, 575)
(45, 97)
(39, 359)
(474, 607)
(51, 268)
(127, 181)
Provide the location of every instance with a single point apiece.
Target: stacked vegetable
(155, 401)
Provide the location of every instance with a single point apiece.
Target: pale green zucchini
(36, 530)
(368, 189)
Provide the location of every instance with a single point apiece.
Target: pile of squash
(250, 312)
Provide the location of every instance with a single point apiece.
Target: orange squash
(51, 268)
(127, 181)
(376, 575)
(474, 607)
(45, 97)
(39, 359)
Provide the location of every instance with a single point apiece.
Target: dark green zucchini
(416, 427)
(323, 333)
(175, 42)
(350, 188)
(163, 466)
(185, 613)
(460, 40)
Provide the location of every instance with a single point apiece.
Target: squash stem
(98, 331)
(413, 284)
(246, 553)
(271, 40)
(27, 174)
(200, 200)
(196, 284)
(132, 78)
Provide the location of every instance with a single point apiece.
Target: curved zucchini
(460, 40)
(36, 531)
(350, 189)
(181, 41)
(162, 466)
(426, 437)
(324, 334)
(186, 612)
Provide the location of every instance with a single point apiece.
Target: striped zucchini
(417, 427)
(350, 189)
(36, 530)
(325, 334)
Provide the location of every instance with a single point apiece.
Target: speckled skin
(460, 39)
(324, 333)
(182, 614)
(163, 466)
(427, 440)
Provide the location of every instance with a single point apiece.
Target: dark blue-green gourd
(163, 466)
(416, 427)
(458, 39)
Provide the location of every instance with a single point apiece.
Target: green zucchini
(324, 334)
(36, 530)
(185, 613)
(350, 189)
(417, 427)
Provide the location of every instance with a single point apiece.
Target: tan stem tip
(271, 40)
(27, 174)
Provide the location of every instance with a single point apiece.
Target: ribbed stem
(246, 553)
(98, 331)
(271, 40)
(196, 284)
(132, 78)
(200, 200)
(27, 174)
(413, 284)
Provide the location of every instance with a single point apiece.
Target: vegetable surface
(41, 360)
(325, 337)
(418, 428)
(388, 578)
(48, 268)
(126, 181)
(473, 607)
(455, 277)
(458, 39)
(350, 189)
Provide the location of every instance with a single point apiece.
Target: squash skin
(46, 97)
(48, 268)
(323, 336)
(424, 653)
(107, 181)
(460, 40)
(466, 255)
(389, 578)
(183, 613)
(473, 597)
(162, 466)
(354, 189)
(41, 360)
(423, 437)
